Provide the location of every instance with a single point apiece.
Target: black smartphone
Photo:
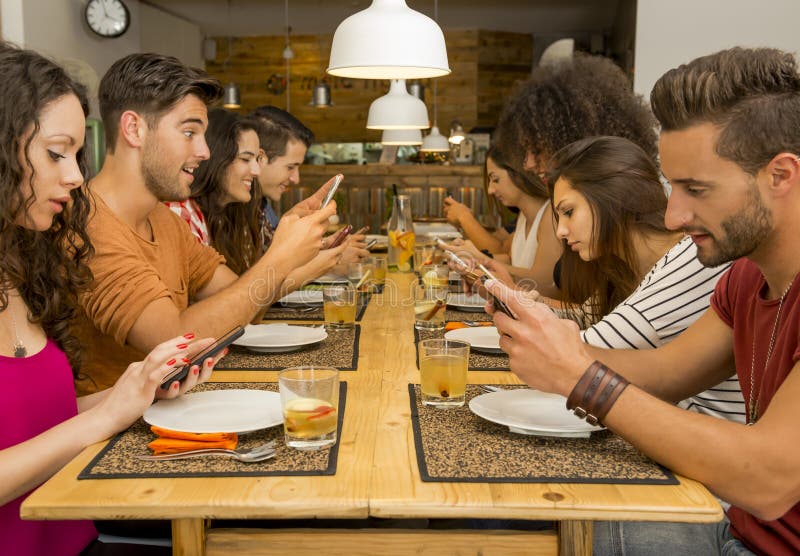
(336, 181)
(499, 305)
(340, 236)
(224, 341)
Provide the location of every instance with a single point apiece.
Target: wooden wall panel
(485, 67)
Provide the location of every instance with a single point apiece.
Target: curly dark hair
(622, 186)
(235, 227)
(47, 268)
(560, 103)
(752, 94)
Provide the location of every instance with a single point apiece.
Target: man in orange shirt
(153, 280)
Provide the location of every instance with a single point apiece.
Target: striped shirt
(674, 294)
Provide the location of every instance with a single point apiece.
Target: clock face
(107, 18)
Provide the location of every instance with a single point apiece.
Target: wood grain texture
(377, 472)
(485, 65)
(397, 542)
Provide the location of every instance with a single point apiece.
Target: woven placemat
(117, 459)
(313, 312)
(477, 361)
(455, 445)
(461, 316)
(339, 349)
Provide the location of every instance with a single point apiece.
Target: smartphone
(499, 305)
(224, 341)
(370, 244)
(452, 256)
(340, 236)
(336, 181)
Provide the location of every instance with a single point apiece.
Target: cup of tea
(443, 368)
(339, 306)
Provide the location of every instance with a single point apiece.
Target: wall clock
(107, 18)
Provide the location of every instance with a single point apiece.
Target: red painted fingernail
(171, 362)
(196, 371)
(175, 385)
(189, 335)
(182, 346)
(226, 351)
(184, 360)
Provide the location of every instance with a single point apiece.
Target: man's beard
(157, 178)
(745, 231)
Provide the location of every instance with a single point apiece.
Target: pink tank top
(37, 394)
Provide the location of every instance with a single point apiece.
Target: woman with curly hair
(43, 212)
(560, 103)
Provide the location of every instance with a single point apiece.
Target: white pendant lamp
(456, 133)
(402, 137)
(397, 110)
(435, 142)
(388, 40)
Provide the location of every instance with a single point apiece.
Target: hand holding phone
(340, 236)
(336, 181)
(180, 373)
(370, 244)
(499, 305)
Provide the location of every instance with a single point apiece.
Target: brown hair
(278, 127)
(150, 84)
(621, 184)
(752, 94)
(560, 103)
(235, 227)
(523, 180)
(47, 268)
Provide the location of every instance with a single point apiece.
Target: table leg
(188, 537)
(575, 538)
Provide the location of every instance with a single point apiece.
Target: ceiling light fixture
(456, 133)
(388, 40)
(401, 137)
(232, 98)
(287, 54)
(397, 110)
(435, 142)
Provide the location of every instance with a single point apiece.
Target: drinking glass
(429, 306)
(310, 402)
(443, 372)
(378, 267)
(339, 306)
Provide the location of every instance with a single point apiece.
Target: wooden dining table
(377, 476)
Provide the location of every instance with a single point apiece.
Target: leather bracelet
(595, 393)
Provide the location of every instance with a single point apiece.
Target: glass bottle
(401, 235)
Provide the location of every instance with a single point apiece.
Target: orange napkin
(456, 325)
(174, 442)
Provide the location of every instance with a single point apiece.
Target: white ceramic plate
(441, 230)
(275, 338)
(302, 297)
(464, 302)
(480, 338)
(527, 411)
(218, 411)
(380, 240)
(330, 278)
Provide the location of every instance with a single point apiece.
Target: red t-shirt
(739, 301)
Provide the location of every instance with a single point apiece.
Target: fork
(247, 455)
(487, 388)
(473, 323)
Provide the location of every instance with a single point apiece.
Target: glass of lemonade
(378, 267)
(423, 256)
(429, 306)
(310, 402)
(339, 306)
(443, 372)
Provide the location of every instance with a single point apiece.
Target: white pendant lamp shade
(401, 137)
(435, 142)
(388, 40)
(397, 110)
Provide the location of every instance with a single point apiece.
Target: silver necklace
(19, 347)
(753, 410)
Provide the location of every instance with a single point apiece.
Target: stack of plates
(466, 302)
(533, 412)
(277, 338)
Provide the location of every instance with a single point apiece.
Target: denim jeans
(639, 538)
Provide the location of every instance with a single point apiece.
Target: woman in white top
(636, 283)
(533, 249)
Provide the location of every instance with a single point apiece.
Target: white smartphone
(336, 181)
(452, 256)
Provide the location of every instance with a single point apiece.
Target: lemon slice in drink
(423, 308)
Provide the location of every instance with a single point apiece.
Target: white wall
(670, 33)
(166, 34)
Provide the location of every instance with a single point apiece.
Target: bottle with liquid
(401, 235)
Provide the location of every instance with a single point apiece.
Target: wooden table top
(377, 473)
